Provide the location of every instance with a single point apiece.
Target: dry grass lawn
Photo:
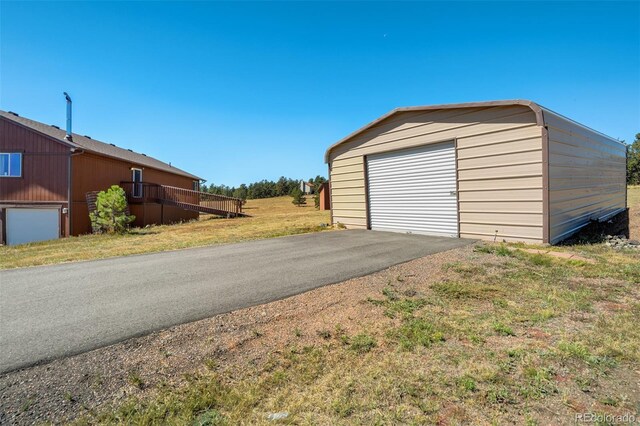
(272, 217)
(485, 334)
(481, 335)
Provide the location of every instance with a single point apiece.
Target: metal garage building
(501, 170)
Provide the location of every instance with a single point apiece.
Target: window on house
(137, 182)
(10, 164)
(196, 185)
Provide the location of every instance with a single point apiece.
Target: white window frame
(9, 154)
(136, 188)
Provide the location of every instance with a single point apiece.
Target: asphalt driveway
(54, 311)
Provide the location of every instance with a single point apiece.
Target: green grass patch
(415, 332)
(503, 329)
(362, 343)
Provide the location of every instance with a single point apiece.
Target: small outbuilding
(501, 170)
(306, 187)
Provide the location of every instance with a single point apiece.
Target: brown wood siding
(92, 172)
(45, 165)
(45, 171)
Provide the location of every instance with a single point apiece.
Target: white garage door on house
(27, 225)
(414, 190)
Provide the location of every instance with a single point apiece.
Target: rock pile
(621, 242)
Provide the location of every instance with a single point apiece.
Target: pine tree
(298, 197)
(633, 162)
(110, 215)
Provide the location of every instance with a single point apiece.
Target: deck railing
(143, 192)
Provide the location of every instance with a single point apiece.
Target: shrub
(110, 215)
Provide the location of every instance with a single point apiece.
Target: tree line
(285, 186)
(262, 189)
(633, 162)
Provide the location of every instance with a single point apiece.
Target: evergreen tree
(110, 215)
(633, 162)
(261, 189)
(316, 199)
(298, 197)
(241, 192)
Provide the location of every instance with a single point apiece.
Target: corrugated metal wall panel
(493, 207)
(587, 173)
(342, 177)
(414, 190)
(498, 232)
(507, 147)
(513, 218)
(492, 138)
(442, 132)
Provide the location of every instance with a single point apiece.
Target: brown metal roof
(91, 145)
(537, 109)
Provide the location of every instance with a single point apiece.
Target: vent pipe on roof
(68, 98)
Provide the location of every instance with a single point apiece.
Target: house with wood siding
(45, 175)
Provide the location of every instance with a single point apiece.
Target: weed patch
(362, 343)
(503, 329)
(416, 332)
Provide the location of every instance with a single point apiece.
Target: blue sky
(237, 92)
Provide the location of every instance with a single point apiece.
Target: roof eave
(179, 173)
(76, 147)
(534, 107)
(69, 144)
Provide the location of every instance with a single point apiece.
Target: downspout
(69, 222)
(74, 152)
(330, 195)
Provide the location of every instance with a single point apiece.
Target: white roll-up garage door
(414, 190)
(28, 225)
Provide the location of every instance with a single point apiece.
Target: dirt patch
(560, 255)
(66, 388)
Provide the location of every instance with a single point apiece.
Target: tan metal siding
(499, 153)
(586, 176)
(348, 201)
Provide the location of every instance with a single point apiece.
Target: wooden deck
(187, 199)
